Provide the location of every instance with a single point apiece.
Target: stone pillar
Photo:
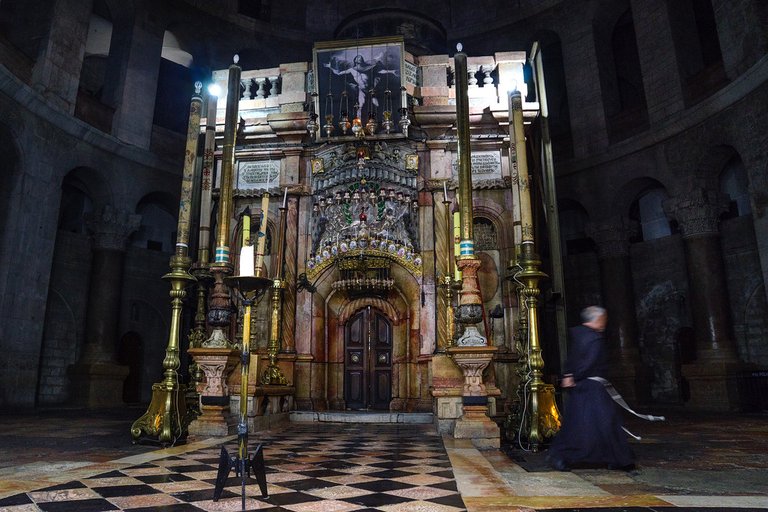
(215, 418)
(57, 70)
(130, 84)
(627, 371)
(97, 380)
(742, 35)
(291, 262)
(588, 123)
(658, 60)
(712, 376)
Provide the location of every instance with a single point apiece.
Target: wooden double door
(368, 361)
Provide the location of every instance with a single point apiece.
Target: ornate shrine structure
(350, 169)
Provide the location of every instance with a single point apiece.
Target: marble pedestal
(215, 418)
(99, 384)
(475, 424)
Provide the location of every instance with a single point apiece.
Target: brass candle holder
(247, 289)
(164, 420)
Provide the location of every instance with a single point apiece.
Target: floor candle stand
(247, 289)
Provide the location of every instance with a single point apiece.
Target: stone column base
(714, 385)
(96, 385)
(478, 427)
(446, 410)
(215, 421)
(632, 380)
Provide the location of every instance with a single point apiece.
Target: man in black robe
(591, 432)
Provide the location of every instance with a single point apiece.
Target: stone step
(361, 417)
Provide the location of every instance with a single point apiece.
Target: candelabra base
(243, 467)
(165, 419)
(273, 376)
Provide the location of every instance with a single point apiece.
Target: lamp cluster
(364, 194)
(354, 123)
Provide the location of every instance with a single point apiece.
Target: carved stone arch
(630, 192)
(94, 184)
(355, 305)
(714, 159)
(496, 214)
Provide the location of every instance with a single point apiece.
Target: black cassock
(591, 431)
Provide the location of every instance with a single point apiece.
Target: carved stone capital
(111, 228)
(612, 237)
(697, 212)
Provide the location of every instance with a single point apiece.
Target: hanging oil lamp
(357, 124)
(328, 126)
(371, 125)
(404, 122)
(312, 125)
(387, 122)
(344, 124)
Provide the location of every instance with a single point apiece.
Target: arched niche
(157, 232)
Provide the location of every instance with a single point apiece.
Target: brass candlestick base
(543, 418)
(247, 289)
(165, 419)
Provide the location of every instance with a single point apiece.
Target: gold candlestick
(449, 275)
(273, 375)
(219, 310)
(165, 419)
(543, 420)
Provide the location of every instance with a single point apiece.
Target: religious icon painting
(359, 79)
(317, 166)
(412, 162)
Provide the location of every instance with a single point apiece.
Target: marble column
(712, 376)
(627, 372)
(97, 379)
(291, 263)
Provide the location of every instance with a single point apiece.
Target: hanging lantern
(404, 122)
(357, 124)
(387, 122)
(312, 125)
(344, 124)
(328, 126)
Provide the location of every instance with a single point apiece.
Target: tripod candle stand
(247, 288)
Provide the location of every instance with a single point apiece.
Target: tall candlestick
(247, 227)
(231, 118)
(262, 234)
(464, 154)
(526, 215)
(185, 204)
(206, 185)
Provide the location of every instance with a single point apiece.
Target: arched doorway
(368, 360)
(131, 354)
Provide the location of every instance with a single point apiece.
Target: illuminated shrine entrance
(368, 360)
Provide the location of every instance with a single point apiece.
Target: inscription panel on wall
(257, 175)
(486, 165)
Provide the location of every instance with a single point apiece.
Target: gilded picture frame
(356, 67)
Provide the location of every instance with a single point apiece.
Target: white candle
(246, 260)
(285, 197)
(445, 190)
(262, 232)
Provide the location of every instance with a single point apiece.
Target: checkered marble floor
(327, 467)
